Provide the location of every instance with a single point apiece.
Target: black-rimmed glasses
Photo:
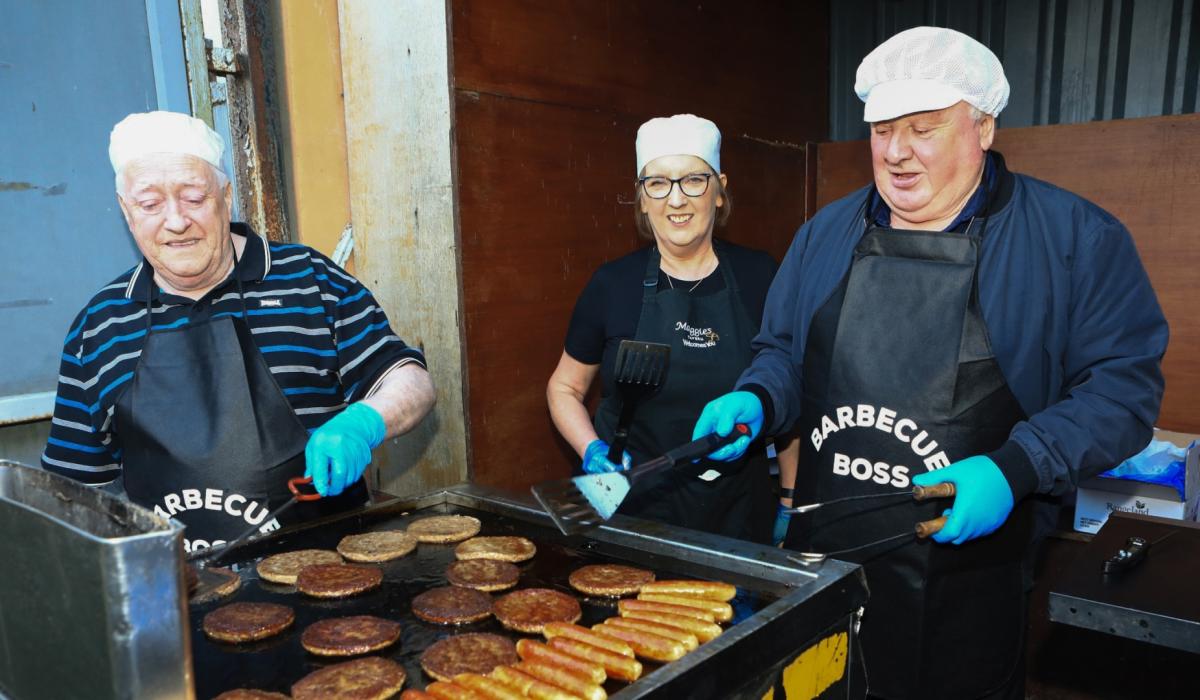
(658, 187)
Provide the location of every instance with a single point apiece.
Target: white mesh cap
(143, 133)
(680, 135)
(928, 68)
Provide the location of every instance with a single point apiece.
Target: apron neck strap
(237, 279)
(874, 200)
(650, 279)
(654, 261)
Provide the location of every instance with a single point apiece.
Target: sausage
(489, 687)
(561, 677)
(530, 686)
(687, 639)
(537, 652)
(722, 611)
(616, 665)
(713, 590)
(445, 690)
(583, 634)
(650, 646)
(704, 631)
(625, 606)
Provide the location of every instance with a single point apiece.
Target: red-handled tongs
(214, 554)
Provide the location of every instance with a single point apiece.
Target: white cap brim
(897, 98)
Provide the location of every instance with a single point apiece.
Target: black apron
(208, 436)
(710, 346)
(899, 378)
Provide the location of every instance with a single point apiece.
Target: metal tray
(778, 608)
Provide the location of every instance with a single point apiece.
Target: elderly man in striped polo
(223, 364)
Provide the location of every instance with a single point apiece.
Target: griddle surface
(276, 663)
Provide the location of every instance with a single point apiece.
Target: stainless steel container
(91, 598)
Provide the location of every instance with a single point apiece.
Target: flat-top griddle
(779, 606)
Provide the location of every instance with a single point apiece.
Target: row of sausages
(666, 621)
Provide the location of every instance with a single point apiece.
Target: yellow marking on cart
(815, 670)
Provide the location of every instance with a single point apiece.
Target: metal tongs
(214, 554)
(583, 502)
(922, 530)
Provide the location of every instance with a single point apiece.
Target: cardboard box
(1099, 496)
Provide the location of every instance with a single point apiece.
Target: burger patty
(483, 574)
(609, 579)
(250, 694)
(377, 546)
(348, 636)
(218, 582)
(283, 568)
(512, 549)
(337, 580)
(369, 678)
(529, 609)
(452, 605)
(468, 653)
(444, 529)
(247, 622)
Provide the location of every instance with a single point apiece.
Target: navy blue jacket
(1074, 324)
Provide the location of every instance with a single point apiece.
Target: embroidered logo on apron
(697, 337)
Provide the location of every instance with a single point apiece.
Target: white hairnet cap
(680, 135)
(928, 68)
(144, 133)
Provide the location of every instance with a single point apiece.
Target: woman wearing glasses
(702, 297)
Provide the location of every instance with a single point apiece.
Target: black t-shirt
(607, 310)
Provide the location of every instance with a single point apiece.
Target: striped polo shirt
(324, 337)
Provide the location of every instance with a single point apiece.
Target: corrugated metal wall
(1067, 60)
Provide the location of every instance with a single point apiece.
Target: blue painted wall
(69, 70)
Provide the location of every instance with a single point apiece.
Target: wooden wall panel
(757, 66)
(548, 98)
(1145, 172)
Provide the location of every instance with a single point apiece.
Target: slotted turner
(640, 369)
(586, 501)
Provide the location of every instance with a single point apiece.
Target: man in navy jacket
(953, 322)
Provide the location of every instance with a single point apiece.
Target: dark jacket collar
(994, 191)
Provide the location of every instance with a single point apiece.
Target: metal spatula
(640, 369)
(586, 501)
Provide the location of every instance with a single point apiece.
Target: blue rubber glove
(982, 500)
(595, 459)
(719, 417)
(782, 520)
(338, 452)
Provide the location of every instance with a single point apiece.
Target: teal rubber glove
(782, 519)
(722, 413)
(595, 459)
(338, 452)
(982, 500)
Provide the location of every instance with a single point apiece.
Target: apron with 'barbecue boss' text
(899, 379)
(209, 438)
(710, 338)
